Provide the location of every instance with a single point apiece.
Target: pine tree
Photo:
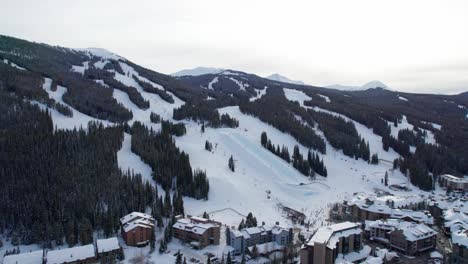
(203, 127)
(179, 258)
(231, 164)
(386, 178)
(264, 139)
(228, 259)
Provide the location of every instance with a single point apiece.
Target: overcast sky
(410, 45)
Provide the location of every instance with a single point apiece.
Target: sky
(412, 45)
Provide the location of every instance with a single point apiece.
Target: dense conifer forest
(61, 185)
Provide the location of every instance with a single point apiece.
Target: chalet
(335, 243)
(137, 228)
(108, 250)
(460, 247)
(197, 231)
(407, 237)
(241, 240)
(74, 255)
(454, 183)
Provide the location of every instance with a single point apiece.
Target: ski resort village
(105, 161)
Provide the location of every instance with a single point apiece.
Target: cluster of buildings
(409, 238)
(403, 224)
(103, 251)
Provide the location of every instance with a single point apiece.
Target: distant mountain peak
(370, 85)
(103, 53)
(281, 78)
(197, 71)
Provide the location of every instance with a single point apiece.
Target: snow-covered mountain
(281, 78)
(369, 85)
(197, 71)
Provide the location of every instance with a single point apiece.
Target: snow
(259, 95)
(104, 54)
(100, 64)
(210, 85)
(460, 238)
(64, 122)
(197, 71)
(12, 64)
(80, 69)
(296, 96)
(402, 98)
(331, 234)
(327, 99)
(241, 85)
(157, 105)
(436, 254)
(34, 257)
(70, 254)
(354, 256)
(369, 85)
(128, 160)
(227, 72)
(403, 124)
(107, 245)
(280, 78)
(234, 194)
(101, 82)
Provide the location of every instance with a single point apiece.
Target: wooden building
(137, 228)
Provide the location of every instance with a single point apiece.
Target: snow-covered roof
(145, 223)
(107, 245)
(455, 217)
(193, 227)
(381, 202)
(453, 178)
(436, 255)
(137, 219)
(388, 224)
(416, 232)
(331, 234)
(460, 237)
(353, 256)
(34, 257)
(134, 215)
(267, 247)
(68, 255)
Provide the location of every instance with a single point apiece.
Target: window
(357, 242)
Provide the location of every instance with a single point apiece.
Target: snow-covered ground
(262, 181)
(403, 98)
(61, 121)
(128, 160)
(259, 95)
(296, 95)
(327, 99)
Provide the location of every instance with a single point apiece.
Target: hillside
(135, 139)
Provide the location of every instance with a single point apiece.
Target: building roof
(145, 223)
(460, 238)
(34, 257)
(416, 232)
(353, 256)
(60, 256)
(267, 247)
(331, 234)
(193, 227)
(453, 178)
(107, 245)
(135, 215)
